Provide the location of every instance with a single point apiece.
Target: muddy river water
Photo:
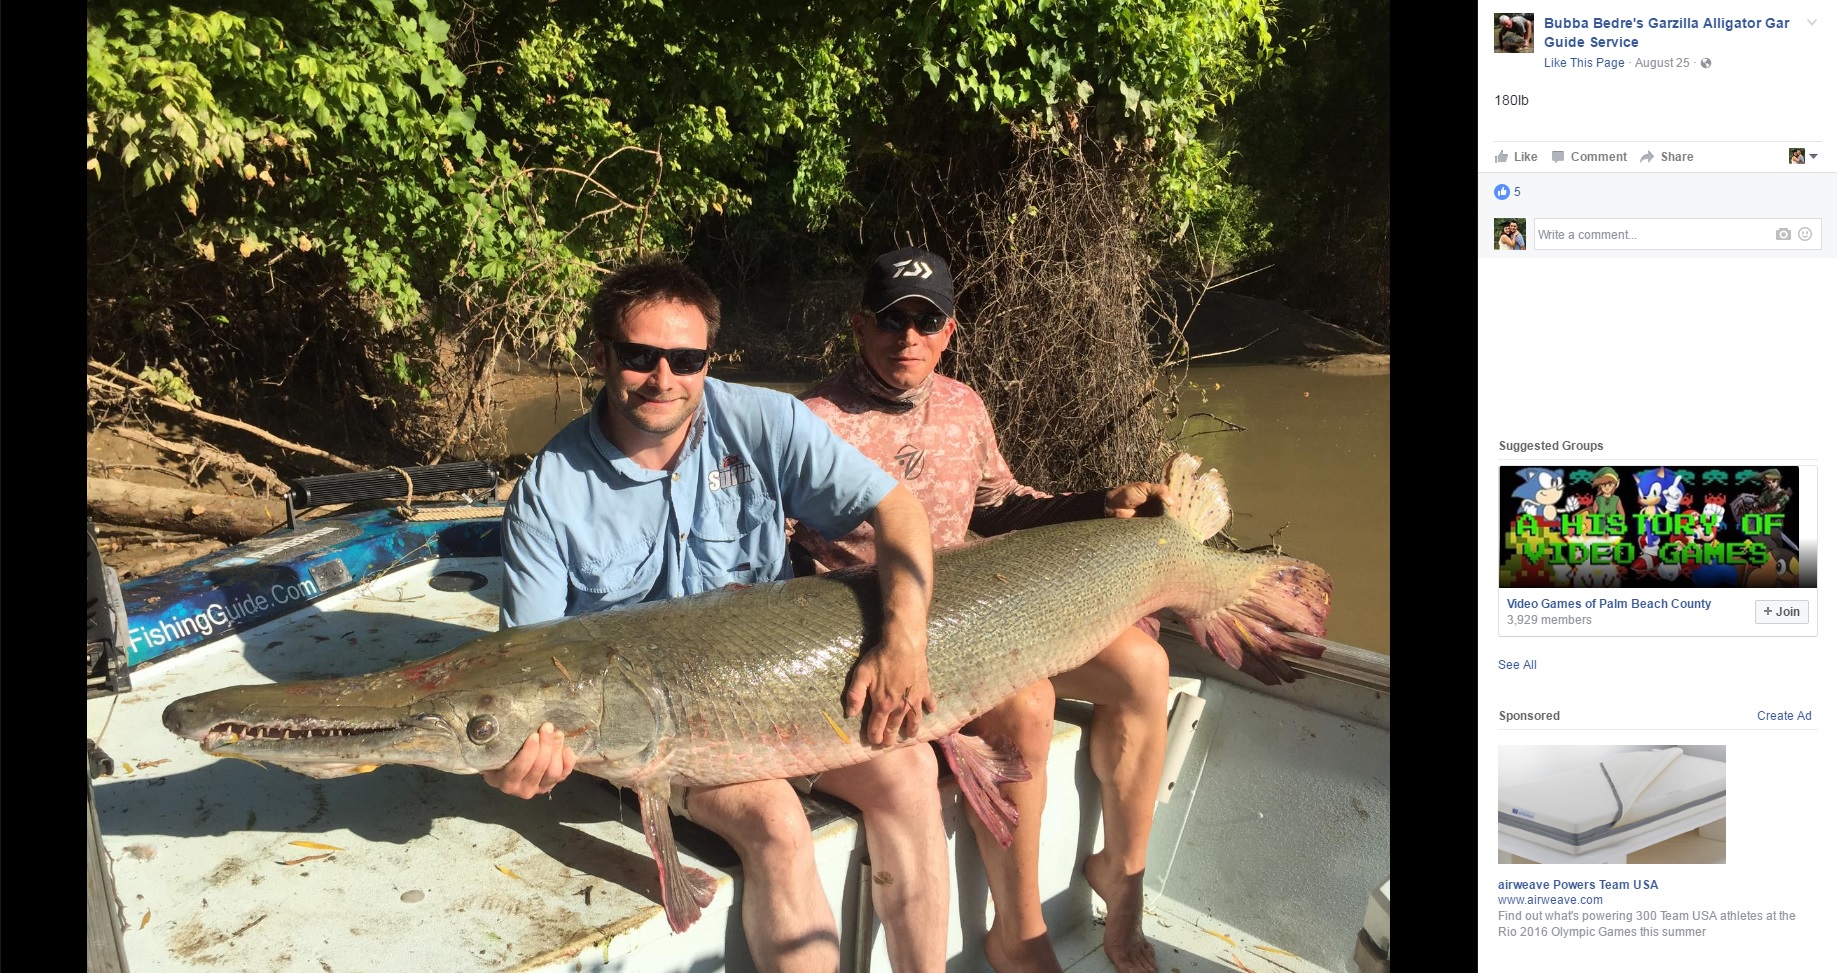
(1313, 461)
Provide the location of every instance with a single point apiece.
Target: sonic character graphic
(1540, 492)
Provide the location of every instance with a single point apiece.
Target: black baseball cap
(912, 272)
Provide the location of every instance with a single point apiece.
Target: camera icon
(1782, 234)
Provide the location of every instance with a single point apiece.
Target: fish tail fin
(1251, 632)
(981, 766)
(1196, 502)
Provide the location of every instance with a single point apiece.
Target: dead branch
(214, 457)
(1231, 351)
(163, 508)
(111, 537)
(481, 378)
(1056, 285)
(145, 561)
(645, 213)
(1229, 425)
(137, 385)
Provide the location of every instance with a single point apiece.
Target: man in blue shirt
(676, 484)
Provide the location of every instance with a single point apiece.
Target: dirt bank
(1268, 332)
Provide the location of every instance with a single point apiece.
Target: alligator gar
(746, 683)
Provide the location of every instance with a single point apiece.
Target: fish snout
(180, 715)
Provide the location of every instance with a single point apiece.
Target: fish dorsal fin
(1196, 502)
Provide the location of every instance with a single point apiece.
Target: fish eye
(482, 729)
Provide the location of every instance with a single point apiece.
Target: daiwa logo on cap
(910, 272)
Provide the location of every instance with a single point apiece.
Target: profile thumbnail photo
(1512, 33)
(1651, 526)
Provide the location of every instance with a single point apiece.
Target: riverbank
(1230, 329)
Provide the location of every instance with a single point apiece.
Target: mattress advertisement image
(1653, 525)
(1613, 805)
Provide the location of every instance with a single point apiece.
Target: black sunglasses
(643, 358)
(928, 323)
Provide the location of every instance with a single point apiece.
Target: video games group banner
(1651, 526)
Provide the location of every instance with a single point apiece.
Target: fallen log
(214, 457)
(144, 561)
(163, 508)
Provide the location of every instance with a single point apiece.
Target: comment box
(1597, 233)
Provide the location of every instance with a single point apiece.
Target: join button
(1782, 612)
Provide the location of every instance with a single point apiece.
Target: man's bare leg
(1017, 942)
(897, 794)
(787, 919)
(1127, 685)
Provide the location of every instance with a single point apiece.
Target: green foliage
(1145, 69)
(341, 129)
(401, 169)
(1152, 78)
(676, 110)
(171, 386)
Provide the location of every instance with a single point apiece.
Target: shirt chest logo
(912, 459)
(732, 471)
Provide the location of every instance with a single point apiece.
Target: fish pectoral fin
(685, 890)
(981, 766)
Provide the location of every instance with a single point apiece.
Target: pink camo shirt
(943, 450)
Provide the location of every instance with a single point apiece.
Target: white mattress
(1611, 799)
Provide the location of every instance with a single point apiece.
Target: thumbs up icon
(1500, 157)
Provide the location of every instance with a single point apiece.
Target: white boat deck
(219, 864)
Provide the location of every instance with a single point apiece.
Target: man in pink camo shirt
(934, 435)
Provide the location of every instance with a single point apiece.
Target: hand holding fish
(894, 683)
(890, 677)
(545, 760)
(1131, 499)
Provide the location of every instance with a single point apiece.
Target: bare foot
(1123, 942)
(1010, 954)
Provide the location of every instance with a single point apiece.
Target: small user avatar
(1510, 237)
(1512, 33)
(1795, 156)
